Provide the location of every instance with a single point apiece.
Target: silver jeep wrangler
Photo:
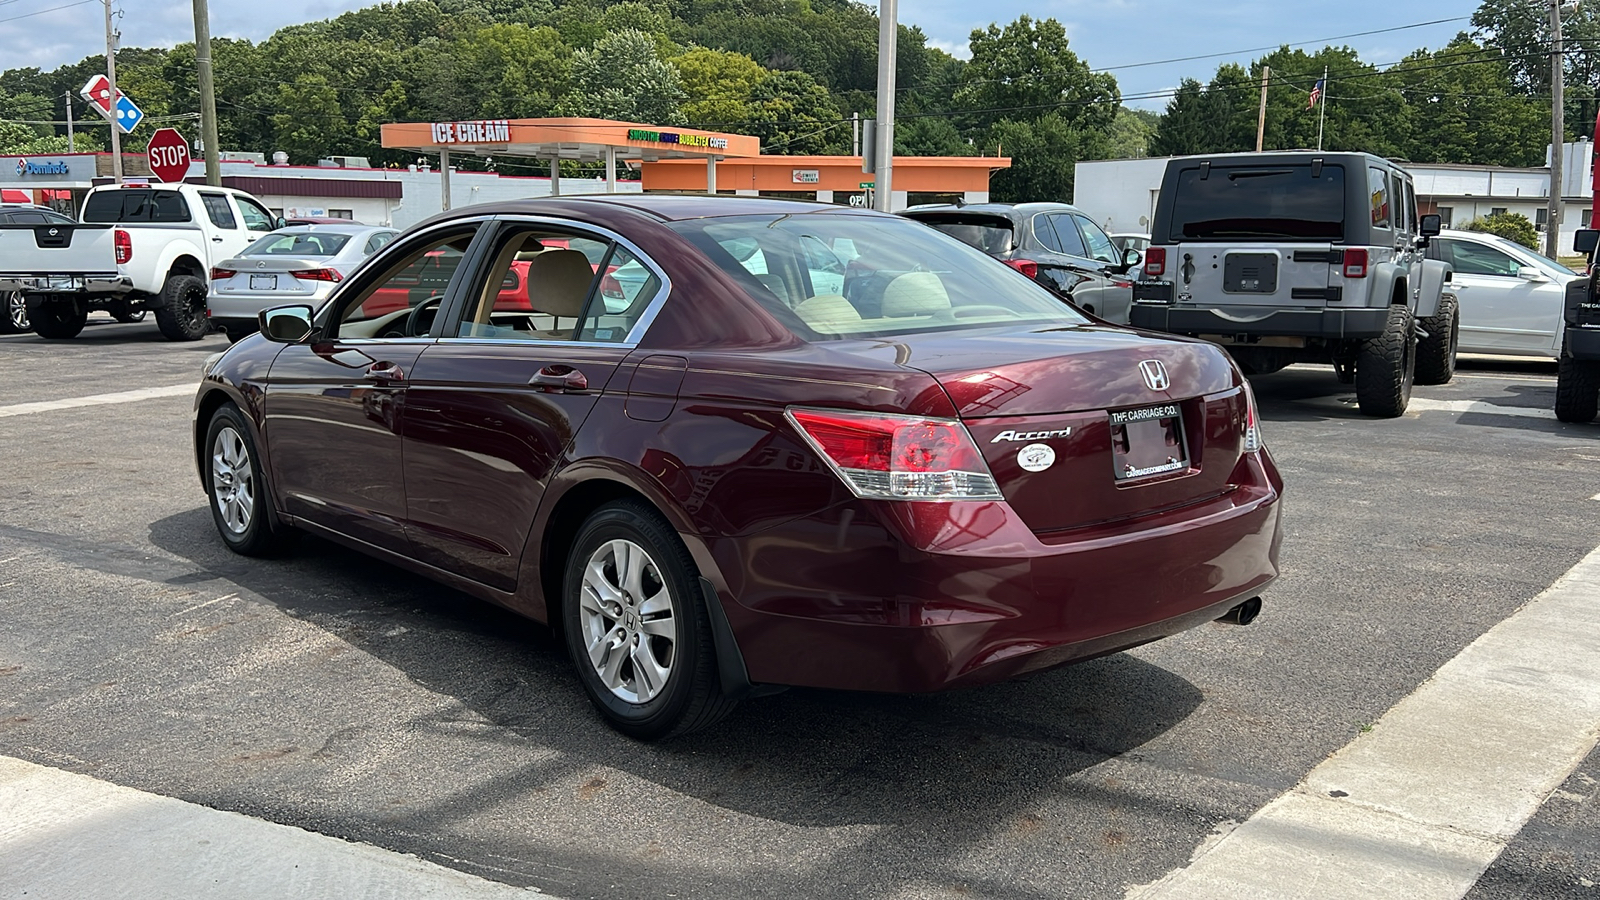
(1302, 256)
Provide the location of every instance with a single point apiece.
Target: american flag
(1316, 94)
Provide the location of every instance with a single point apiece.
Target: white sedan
(1510, 297)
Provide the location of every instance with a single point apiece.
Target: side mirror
(1131, 258)
(279, 223)
(1429, 226)
(1585, 240)
(1529, 273)
(286, 324)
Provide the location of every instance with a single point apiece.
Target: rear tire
(121, 311)
(1386, 367)
(1436, 354)
(637, 628)
(236, 482)
(14, 319)
(182, 314)
(1577, 389)
(59, 320)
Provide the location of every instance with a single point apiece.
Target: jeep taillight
(124, 245)
(890, 457)
(1355, 263)
(1155, 261)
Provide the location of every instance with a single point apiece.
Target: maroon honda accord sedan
(727, 444)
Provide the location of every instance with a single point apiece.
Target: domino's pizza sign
(29, 167)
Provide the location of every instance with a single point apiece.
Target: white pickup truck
(166, 238)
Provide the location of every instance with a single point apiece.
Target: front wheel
(1436, 354)
(182, 313)
(1577, 389)
(1386, 367)
(237, 484)
(15, 319)
(59, 319)
(637, 628)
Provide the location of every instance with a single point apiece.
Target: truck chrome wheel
(626, 614)
(233, 484)
(17, 312)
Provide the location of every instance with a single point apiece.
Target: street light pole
(111, 78)
(1558, 131)
(888, 32)
(208, 93)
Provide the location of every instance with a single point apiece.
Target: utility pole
(71, 147)
(208, 93)
(855, 134)
(111, 76)
(1558, 132)
(1261, 118)
(888, 32)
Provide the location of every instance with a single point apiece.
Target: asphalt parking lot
(343, 696)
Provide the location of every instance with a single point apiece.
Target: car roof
(663, 207)
(330, 228)
(996, 209)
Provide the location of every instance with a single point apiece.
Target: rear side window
(136, 205)
(990, 234)
(218, 211)
(1378, 187)
(1258, 203)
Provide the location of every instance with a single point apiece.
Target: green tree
(516, 71)
(718, 85)
(18, 139)
(1025, 71)
(624, 77)
(793, 115)
(1463, 108)
(1044, 152)
(929, 136)
(1509, 225)
(310, 123)
(1131, 133)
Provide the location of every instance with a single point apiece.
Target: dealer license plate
(263, 282)
(1147, 441)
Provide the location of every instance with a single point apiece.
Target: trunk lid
(1072, 428)
(270, 275)
(1233, 274)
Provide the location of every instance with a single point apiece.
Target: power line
(50, 10)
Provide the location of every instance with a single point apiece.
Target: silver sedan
(298, 264)
(1510, 297)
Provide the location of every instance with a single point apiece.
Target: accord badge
(1009, 435)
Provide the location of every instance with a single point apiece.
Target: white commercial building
(1120, 194)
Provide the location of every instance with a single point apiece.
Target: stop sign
(168, 154)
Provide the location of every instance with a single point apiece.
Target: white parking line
(1419, 807)
(72, 836)
(172, 390)
(1479, 406)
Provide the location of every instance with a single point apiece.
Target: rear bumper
(1583, 343)
(1252, 320)
(839, 601)
(244, 307)
(94, 283)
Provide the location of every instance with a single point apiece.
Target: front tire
(1436, 355)
(182, 313)
(637, 628)
(236, 482)
(15, 318)
(1577, 389)
(59, 320)
(1386, 367)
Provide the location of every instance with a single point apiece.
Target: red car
(788, 444)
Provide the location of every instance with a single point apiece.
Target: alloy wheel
(626, 614)
(233, 485)
(17, 311)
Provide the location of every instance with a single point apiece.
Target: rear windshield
(836, 276)
(136, 205)
(1259, 202)
(990, 234)
(298, 243)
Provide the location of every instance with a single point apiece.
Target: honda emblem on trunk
(1155, 375)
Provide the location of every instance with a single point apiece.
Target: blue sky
(1106, 33)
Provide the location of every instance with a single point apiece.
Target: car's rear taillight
(316, 274)
(124, 245)
(1355, 263)
(889, 457)
(1026, 266)
(1155, 261)
(222, 274)
(1252, 422)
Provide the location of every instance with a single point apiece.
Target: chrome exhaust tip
(1244, 613)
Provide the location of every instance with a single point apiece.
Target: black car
(1055, 244)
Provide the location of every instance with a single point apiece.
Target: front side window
(545, 284)
(1378, 196)
(256, 217)
(1100, 246)
(218, 210)
(898, 276)
(377, 241)
(1475, 259)
(404, 299)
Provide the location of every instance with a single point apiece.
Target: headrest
(558, 282)
(915, 294)
(828, 313)
(529, 249)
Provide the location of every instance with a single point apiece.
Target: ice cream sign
(490, 131)
(682, 140)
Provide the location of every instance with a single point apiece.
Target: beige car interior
(558, 283)
(910, 298)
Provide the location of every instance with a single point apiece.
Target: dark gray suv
(1055, 244)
